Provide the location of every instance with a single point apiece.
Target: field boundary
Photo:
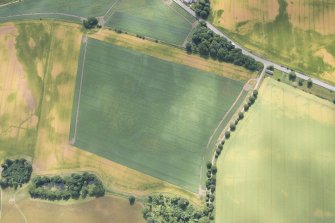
(43, 13)
(74, 138)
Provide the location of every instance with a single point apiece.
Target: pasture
(148, 114)
(297, 33)
(159, 19)
(279, 165)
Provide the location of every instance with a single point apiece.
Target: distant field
(100, 210)
(279, 165)
(159, 19)
(148, 114)
(296, 33)
(81, 8)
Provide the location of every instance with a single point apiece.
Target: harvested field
(279, 165)
(138, 113)
(158, 19)
(23, 209)
(297, 33)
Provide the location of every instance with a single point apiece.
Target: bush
(271, 67)
(301, 82)
(90, 23)
(218, 152)
(227, 134)
(246, 107)
(131, 199)
(255, 93)
(292, 76)
(209, 164)
(334, 101)
(188, 47)
(309, 83)
(240, 115)
(222, 142)
(232, 127)
(220, 147)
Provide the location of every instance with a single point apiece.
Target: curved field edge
(279, 164)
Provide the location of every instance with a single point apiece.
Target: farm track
(85, 40)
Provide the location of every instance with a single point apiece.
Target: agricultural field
(297, 33)
(159, 19)
(279, 165)
(101, 210)
(150, 115)
(62, 9)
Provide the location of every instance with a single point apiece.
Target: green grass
(152, 18)
(279, 164)
(148, 114)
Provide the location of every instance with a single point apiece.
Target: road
(256, 57)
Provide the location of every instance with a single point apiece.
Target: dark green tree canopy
(15, 173)
(207, 43)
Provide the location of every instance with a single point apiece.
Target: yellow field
(297, 33)
(279, 165)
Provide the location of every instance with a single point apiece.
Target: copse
(207, 43)
(15, 173)
(63, 188)
(202, 8)
(90, 23)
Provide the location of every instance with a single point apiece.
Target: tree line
(74, 186)
(160, 208)
(208, 44)
(15, 173)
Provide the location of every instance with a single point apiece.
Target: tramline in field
(148, 114)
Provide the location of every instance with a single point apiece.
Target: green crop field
(148, 114)
(279, 165)
(157, 19)
(62, 9)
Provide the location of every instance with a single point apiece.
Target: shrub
(90, 23)
(309, 83)
(227, 134)
(334, 101)
(246, 107)
(301, 82)
(223, 141)
(292, 76)
(271, 67)
(240, 115)
(209, 164)
(220, 147)
(232, 127)
(131, 199)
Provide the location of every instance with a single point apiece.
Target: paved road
(256, 57)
